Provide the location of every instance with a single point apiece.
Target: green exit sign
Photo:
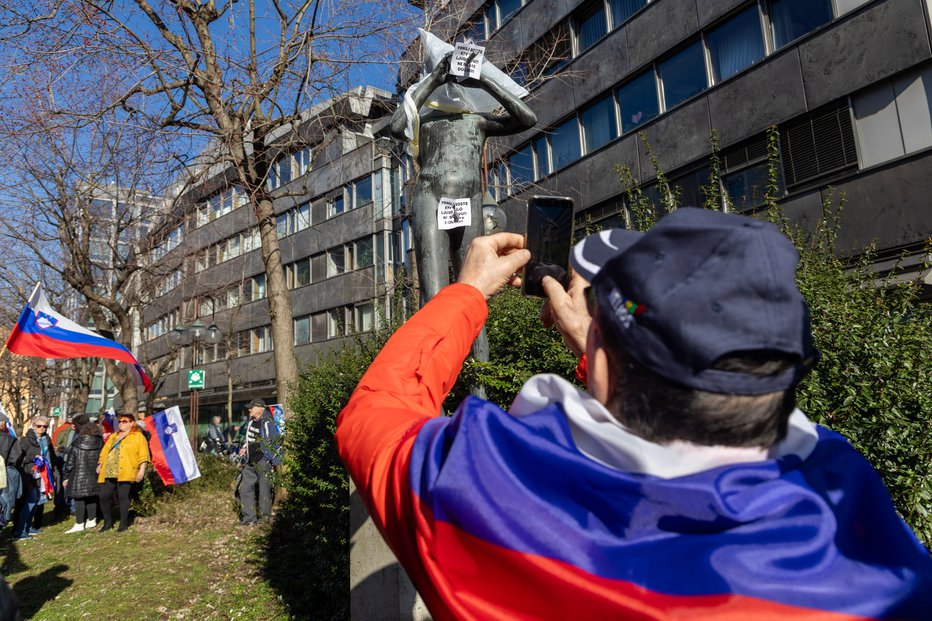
(56, 411)
(196, 379)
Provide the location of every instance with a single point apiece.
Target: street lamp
(193, 335)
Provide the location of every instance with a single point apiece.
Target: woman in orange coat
(122, 462)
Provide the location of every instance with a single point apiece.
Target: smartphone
(549, 237)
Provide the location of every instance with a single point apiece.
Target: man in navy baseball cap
(684, 483)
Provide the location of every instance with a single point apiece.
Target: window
(302, 161)
(894, 118)
(736, 44)
(302, 330)
(792, 19)
(319, 327)
(281, 224)
(335, 206)
(302, 271)
(336, 261)
(564, 144)
(475, 28)
(251, 240)
(690, 188)
(500, 11)
(746, 188)
(817, 144)
(319, 267)
(363, 253)
(622, 10)
(542, 158)
(638, 101)
(260, 340)
(590, 27)
(599, 124)
(254, 288)
(745, 174)
(683, 75)
(548, 54)
(521, 165)
(365, 317)
(363, 191)
(303, 217)
(336, 323)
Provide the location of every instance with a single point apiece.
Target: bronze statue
(450, 160)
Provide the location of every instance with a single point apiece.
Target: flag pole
(34, 289)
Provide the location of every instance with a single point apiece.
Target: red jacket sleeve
(404, 387)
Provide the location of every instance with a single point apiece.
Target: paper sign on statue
(467, 60)
(453, 213)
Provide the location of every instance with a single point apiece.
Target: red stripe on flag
(41, 346)
(473, 579)
(158, 456)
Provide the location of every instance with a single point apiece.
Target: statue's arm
(437, 77)
(519, 116)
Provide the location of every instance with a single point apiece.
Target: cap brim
(596, 250)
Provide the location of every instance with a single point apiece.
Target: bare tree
(233, 73)
(74, 203)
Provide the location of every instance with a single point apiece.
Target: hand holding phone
(549, 238)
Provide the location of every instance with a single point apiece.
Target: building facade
(846, 83)
(337, 195)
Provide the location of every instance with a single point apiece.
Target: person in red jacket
(683, 484)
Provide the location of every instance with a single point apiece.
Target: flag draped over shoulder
(44, 333)
(172, 455)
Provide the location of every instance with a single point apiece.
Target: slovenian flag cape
(172, 455)
(502, 516)
(43, 333)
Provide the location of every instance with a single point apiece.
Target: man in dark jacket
(38, 457)
(262, 450)
(215, 437)
(10, 454)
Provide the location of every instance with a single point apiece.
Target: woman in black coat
(81, 473)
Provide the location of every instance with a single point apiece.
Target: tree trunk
(286, 365)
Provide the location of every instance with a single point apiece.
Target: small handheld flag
(172, 455)
(44, 333)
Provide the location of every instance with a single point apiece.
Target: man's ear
(598, 377)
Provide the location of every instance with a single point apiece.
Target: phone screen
(549, 235)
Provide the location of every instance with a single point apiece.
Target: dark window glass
(638, 101)
(691, 187)
(521, 164)
(319, 327)
(363, 191)
(683, 75)
(591, 27)
(302, 270)
(284, 170)
(543, 159)
(793, 18)
(746, 188)
(364, 253)
(475, 30)
(599, 124)
(336, 206)
(623, 9)
(564, 144)
(507, 8)
(319, 267)
(736, 44)
(302, 330)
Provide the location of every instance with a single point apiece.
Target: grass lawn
(189, 560)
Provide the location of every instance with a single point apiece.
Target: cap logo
(623, 308)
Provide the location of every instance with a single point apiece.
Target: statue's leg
(459, 245)
(432, 247)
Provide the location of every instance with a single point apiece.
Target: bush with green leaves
(874, 381)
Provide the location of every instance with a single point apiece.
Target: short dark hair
(79, 420)
(661, 411)
(91, 429)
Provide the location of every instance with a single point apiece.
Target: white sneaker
(77, 528)
(90, 524)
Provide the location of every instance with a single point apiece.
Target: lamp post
(194, 335)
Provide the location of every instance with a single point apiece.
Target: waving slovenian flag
(172, 455)
(44, 333)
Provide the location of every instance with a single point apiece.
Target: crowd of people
(78, 471)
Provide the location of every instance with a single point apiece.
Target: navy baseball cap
(699, 286)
